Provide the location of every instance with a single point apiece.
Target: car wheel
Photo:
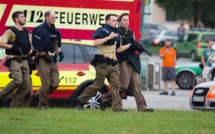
(193, 56)
(93, 102)
(185, 80)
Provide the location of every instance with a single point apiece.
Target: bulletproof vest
(107, 50)
(44, 37)
(125, 40)
(52, 36)
(105, 31)
(21, 40)
(130, 54)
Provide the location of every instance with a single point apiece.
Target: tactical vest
(130, 54)
(108, 51)
(21, 40)
(44, 37)
(126, 41)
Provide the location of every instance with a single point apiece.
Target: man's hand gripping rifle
(140, 48)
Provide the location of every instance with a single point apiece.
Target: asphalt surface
(157, 101)
(164, 102)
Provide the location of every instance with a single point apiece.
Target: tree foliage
(190, 10)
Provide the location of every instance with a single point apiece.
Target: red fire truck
(76, 19)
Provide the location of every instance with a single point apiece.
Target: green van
(192, 43)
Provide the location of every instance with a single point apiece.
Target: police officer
(16, 41)
(46, 39)
(105, 64)
(129, 67)
(29, 92)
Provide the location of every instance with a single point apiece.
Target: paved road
(156, 101)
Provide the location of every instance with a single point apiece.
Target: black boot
(35, 100)
(1, 103)
(80, 106)
(149, 110)
(102, 106)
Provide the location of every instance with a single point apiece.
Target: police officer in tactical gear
(29, 92)
(46, 39)
(16, 41)
(129, 67)
(105, 64)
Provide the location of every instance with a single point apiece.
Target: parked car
(159, 37)
(192, 43)
(148, 30)
(185, 74)
(152, 27)
(203, 96)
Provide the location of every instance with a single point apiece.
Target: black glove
(16, 50)
(47, 58)
(33, 53)
(133, 47)
(61, 56)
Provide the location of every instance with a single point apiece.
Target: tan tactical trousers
(129, 76)
(49, 75)
(28, 95)
(20, 75)
(112, 74)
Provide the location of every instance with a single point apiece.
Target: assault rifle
(139, 47)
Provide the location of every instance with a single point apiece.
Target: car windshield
(75, 53)
(207, 37)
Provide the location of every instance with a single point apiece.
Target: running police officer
(129, 67)
(16, 41)
(105, 64)
(29, 92)
(46, 39)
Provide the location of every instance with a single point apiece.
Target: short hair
(16, 14)
(47, 13)
(120, 16)
(210, 41)
(108, 16)
(168, 40)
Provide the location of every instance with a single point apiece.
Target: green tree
(190, 10)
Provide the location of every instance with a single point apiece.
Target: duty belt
(16, 56)
(49, 53)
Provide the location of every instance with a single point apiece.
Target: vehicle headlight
(213, 91)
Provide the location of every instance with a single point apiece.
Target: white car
(159, 37)
(203, 96)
